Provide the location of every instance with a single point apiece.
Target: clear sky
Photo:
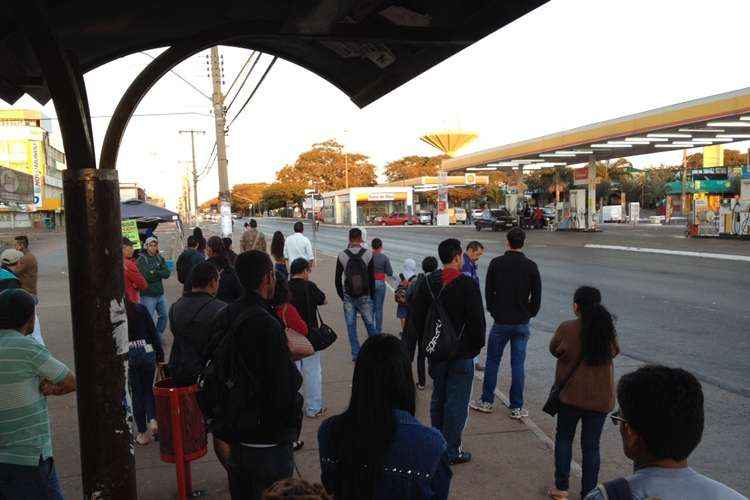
(567, 64)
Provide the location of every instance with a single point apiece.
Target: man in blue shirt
(474, 251)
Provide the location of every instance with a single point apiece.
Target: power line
(257, 86)
(243, 82)
(209, 163)
(181, 78)
(141, 115)
(229, 90)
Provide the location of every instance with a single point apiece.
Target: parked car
(500, 219)
(476, 213)
(425, 217)
(457, 215)
(549, 215)
(399, 219)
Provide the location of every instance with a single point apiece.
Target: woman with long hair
(585, 348)
(277, 254)
(230, 288)
(376, 449)
(198, 233)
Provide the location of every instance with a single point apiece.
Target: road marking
(535, 429)
(702, 255)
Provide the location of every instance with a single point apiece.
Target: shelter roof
(366, 48)
(718, 119)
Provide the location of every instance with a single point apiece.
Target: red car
(399, 219)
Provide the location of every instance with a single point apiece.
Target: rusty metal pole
(95, 271)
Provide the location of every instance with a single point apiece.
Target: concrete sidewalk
(510, 460)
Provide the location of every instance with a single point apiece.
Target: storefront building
(361, 205)
(25, 151)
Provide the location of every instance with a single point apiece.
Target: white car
(460, 215)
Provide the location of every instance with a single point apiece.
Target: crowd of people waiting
(251, 322)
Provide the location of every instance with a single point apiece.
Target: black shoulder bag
(323, 336)
(552, 406)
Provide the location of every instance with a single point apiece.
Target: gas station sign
(581, 176)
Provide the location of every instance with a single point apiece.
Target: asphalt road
(678, 310)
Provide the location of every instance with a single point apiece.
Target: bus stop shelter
(365, 48)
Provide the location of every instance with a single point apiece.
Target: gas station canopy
(719, 119)
(365, 48)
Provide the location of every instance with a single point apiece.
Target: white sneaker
(482, 406)
(518, 413)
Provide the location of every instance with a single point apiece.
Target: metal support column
(95, 270)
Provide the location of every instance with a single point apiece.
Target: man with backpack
(661, 421)
(448, 308)
(250, 386)
(188, 259)
(356, 290)
(513, 291)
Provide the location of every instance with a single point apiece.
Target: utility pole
(221, 147)
(195, 170)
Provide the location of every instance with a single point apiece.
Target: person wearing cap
(154, 269)
(10, 260)
(30, 374)
(134, 281)
(28, 272)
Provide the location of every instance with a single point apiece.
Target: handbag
(552, 406)
(323, 336)
(299, 345)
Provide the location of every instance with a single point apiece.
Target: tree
(413, 166)
(495, 194)
(278, 194)
(324, 168)
(733, 158)
(245, 196)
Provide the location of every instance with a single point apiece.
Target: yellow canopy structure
(449, 142)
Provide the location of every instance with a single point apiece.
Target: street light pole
(195, 169)
(221, 147)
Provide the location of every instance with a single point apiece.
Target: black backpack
(228, 391)
(440, 340)
(356, 276)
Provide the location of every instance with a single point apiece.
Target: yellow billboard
(713, 156)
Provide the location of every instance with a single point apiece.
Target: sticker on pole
(130, 231)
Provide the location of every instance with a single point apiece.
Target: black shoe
(462, 458)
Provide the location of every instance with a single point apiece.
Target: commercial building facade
(361, 205)
(26, 154)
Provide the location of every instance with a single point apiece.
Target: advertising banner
(581, 176)
(130, 231)
(16, 186)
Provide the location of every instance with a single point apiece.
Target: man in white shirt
(297, 245)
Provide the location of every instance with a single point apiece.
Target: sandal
(297, 445)
(142, 439)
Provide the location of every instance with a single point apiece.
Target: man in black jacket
(188, 259)
(513, 290)
(452, 380)
(262, 453)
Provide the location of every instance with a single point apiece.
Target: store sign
(36, 170)
(53, 181)
(581, 176)
(470, 179)
(16, 186)
(381, 196)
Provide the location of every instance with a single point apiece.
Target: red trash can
(182, 430)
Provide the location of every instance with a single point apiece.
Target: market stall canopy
(718, 119)
(146, 213)
(365, 48)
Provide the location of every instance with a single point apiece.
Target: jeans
(312, 375)
(141, 369)
(363, 306)
(157, 306)
(252, 470)
(30, 482)
(449, 406)
(591, 432)
(500, 335)
(377, 305)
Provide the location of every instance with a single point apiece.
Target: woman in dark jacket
(198, 233)
(277, 254)
(584, 348)
(143, 353)
(376, 449)
(230, 288)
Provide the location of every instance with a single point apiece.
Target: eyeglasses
(617, 419)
